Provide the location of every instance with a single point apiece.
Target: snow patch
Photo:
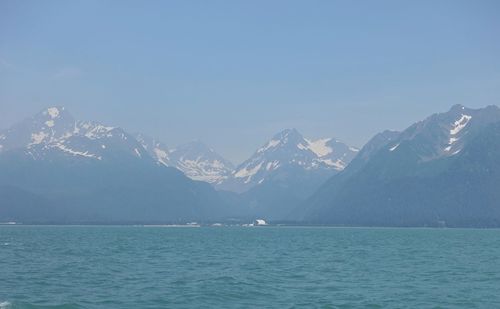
(271, 144)
(248, 172)
(394, 147)
(272, 165)
(302, 147)
(86, 126)
(76, 129)
(98, 131)
(460, 124)
(77, 153)
(37, 138)
(161, 155)
(269, 165)
(338, 164)
(457, 126)
(202, 170)
(319, 147)
(53, 112)
(49, 123)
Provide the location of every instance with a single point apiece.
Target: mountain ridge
(288, 148)
(422, 176)
(85, 171)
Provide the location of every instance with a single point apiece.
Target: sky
(234, 73)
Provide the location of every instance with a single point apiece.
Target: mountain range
(88, 171)
(441, 171)
(273, 181)
(285, 171)
(289, 150)
(286, 150)
(57, 169)
(195, 159)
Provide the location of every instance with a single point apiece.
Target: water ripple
(131, 267)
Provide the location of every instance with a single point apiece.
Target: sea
(248, 267)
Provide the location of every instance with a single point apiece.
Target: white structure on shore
(259, 222)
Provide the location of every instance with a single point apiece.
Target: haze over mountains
(99, 162)
(289, 149)
(285, 171)
(442, 171)
(57, 169)
(196, 160)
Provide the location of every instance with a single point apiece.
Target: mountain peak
(289, 151)
(195, 159)
(291, 133)
(443, 134)
(53, 112)
(457, 107)
(55, 131)
(53, 115)
(285, 137)
(200, 162)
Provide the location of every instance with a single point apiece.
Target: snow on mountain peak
(195, 159)
(288, 136)
(94, 130)
(53, 112)
(54, 130)
(272, 143)
(289, 149)
(444, 134)
(319, 147)
(38, 138)
(456, 128)
(460, 124)
(200, 162)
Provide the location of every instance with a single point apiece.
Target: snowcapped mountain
(289, 149)
(54, 168)
(196, 160)
(47, 126)
(55, 131)
(156, 149)
(441, 170)
(200, 162)
(445, 134)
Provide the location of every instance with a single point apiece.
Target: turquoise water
(275, 267)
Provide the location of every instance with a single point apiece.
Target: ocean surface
(236, 267)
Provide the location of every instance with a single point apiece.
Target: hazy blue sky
(233, 73)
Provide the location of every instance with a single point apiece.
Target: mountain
(196, 160)
(442, 171)
(284, 171)
(199, 162)
(156, 149)
(289, 150)
(84, 171)
(54, 132)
